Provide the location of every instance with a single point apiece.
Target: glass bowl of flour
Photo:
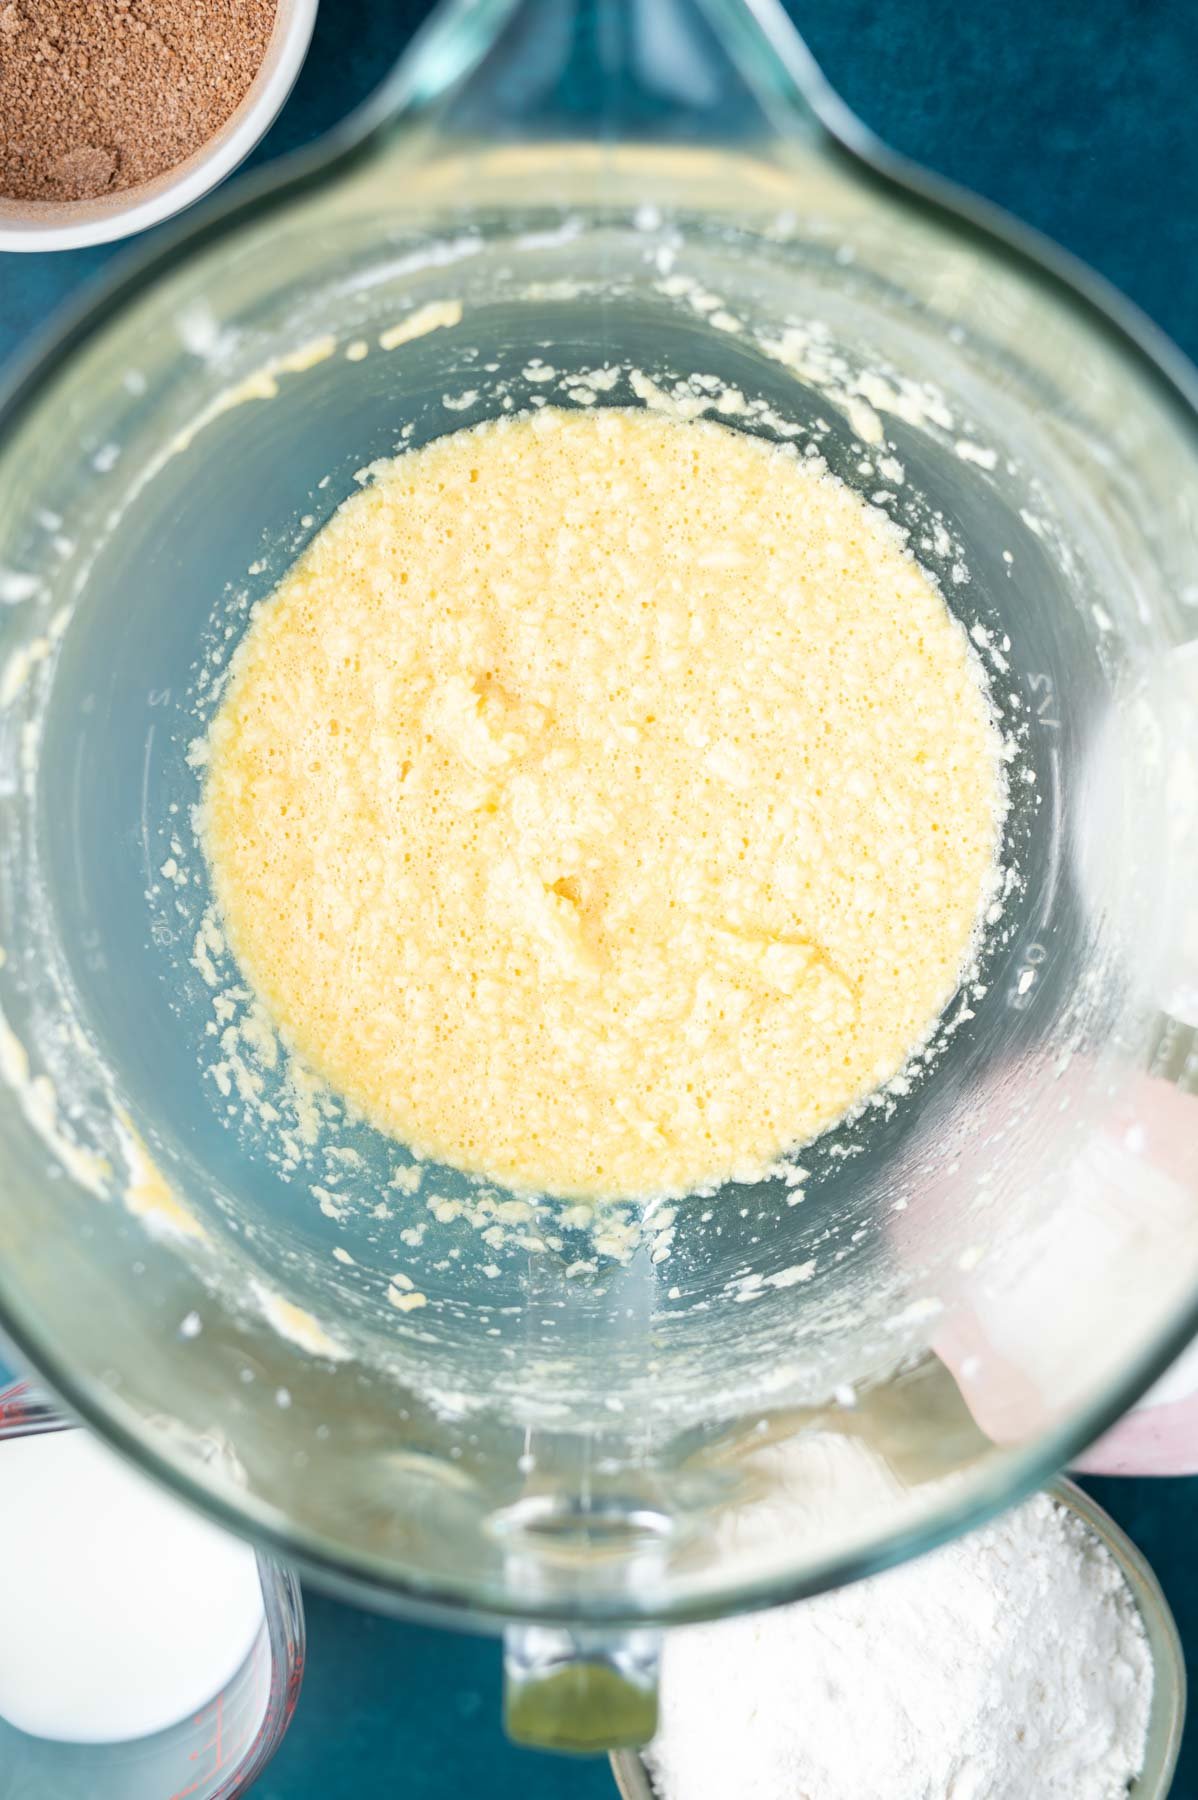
(1037, 1657)
(1166, 1719)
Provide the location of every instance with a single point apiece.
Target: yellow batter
(603, 803)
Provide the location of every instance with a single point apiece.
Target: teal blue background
(1080, 116)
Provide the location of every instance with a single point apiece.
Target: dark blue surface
(1079, 115)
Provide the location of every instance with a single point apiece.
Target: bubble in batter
(603, 803)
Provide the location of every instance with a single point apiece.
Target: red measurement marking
(12, 1401)
(214, 1748)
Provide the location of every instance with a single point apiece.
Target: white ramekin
(64, 225)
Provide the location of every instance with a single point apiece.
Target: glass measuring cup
(601, 190)
(216, 1753)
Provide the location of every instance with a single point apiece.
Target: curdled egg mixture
(603, 803)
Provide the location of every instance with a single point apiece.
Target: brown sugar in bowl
(52, 224)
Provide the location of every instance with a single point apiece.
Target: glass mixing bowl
(586, 1433)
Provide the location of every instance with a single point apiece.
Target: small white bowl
(65, 225)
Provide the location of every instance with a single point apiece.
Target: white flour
(1011, 1665)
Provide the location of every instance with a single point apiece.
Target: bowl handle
(580, 1690)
